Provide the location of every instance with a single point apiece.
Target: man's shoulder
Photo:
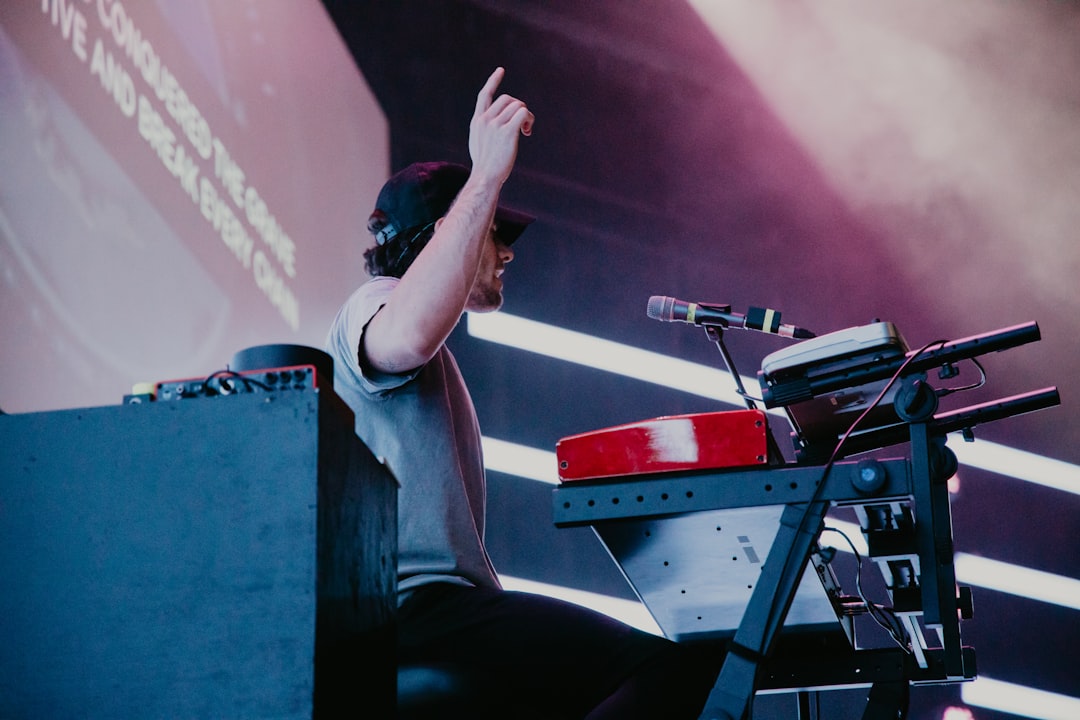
(372, 292)
(378, 284)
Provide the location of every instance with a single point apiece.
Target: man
(442, 243)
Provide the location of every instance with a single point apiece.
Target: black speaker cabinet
(212, 557)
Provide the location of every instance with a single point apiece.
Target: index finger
(483, 99)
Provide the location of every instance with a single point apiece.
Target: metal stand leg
(887, 701)
(932, 464)
(770, 601)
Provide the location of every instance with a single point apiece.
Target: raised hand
(496, 125)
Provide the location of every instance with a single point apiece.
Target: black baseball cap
(422, 193)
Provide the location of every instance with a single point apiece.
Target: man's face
(486, 295)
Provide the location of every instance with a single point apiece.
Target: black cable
(248, 382)
(748, 396)
(888, 620)
(835, 453)
(895, 376)
(978, 384)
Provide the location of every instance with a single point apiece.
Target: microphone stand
(715, 334)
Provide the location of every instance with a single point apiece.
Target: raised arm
(428, 302)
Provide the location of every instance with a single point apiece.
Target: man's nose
(505, 253)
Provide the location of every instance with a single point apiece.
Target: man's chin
(487, 304)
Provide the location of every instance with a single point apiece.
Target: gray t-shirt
(423, 425)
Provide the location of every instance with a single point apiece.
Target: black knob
(868, 477)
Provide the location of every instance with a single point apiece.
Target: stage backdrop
(180, 181)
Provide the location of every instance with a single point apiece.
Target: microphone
(668, 309)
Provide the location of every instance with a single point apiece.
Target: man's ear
(439, 222)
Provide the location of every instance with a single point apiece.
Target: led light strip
(520, 460)
(716, 384)
(1019, 700)
(1017, 580)
(631, 612)
(591, 351)
(1019, 464)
